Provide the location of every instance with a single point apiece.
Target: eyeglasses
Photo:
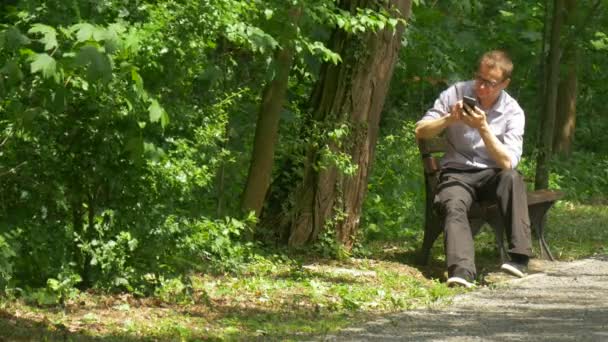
(487, 83)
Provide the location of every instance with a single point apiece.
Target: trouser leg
(512, 200)
(453, 201)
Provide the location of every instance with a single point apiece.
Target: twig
(12, 170)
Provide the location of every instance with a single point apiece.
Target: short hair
(497, 59)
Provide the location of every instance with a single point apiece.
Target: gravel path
(563, 302)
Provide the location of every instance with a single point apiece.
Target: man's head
(493, 75)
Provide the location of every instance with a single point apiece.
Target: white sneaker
(514, 268)
(458, 281)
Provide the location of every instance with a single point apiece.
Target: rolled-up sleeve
(442, 104)
(513, 138)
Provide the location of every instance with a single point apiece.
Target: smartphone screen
(469, 101)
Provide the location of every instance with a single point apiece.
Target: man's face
(489, 82)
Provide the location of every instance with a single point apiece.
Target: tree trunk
(267, 127)
(565, 121)
(568, 87)
(547, 126)
(266, 133)
(351, 94)
(544, 54)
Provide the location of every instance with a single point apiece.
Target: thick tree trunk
(351, 93)
(547, 126)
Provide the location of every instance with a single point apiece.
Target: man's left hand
(475, 119)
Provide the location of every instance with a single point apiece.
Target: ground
(561, 301)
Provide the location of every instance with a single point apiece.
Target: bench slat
(543, 196)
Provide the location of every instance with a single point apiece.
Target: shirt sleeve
(442, 104)
(513, 138)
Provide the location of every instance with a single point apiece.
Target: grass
(283, 298)
(575, 231)
(272, 299)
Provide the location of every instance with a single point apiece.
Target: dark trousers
(457, 190)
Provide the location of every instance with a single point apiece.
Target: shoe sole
(457, 281)
(512, 270)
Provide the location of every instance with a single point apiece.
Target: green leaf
(49, 35)
(98, 64)
(164, 119)
(43, 63)
(601, 43)
(84, 31)
(157, 112)
(14, 39)
(506, 14)
(112, 37)
(12, 72)
(139, 84)
(268, 13)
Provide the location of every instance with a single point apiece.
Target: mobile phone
(469, 101)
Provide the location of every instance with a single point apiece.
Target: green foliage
(56, 291)
(101, 167)
(600, 42)
(394, 206)
(172, 290)
(126, 128)
(6, 262)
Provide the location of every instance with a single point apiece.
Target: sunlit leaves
(84, 31)
(139, 84)
(600, 42)
(49, 35)
(365, 20)
(252, 36)
(158, 113)
(319, 49)
(44, 64)
(507, 14)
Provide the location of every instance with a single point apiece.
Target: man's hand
(456, 112)
(475, 119)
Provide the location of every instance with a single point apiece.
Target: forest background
(147, 143)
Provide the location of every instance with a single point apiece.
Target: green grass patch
(574, 231)
(275, 298)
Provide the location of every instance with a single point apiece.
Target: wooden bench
(539, 203)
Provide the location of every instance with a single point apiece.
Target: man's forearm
(430, 128)
(496, 149)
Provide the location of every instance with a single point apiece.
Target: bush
(394, 206)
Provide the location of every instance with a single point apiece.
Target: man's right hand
(456, 112)
(430, 128)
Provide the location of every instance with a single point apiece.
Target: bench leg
(496, 222)
(538, 218)
(432, 230)
(541, 239)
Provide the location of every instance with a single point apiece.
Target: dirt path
(563, 302)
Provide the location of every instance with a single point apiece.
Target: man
(484, 147)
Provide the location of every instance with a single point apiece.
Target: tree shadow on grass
(14, 328)
(285, 322)
(487, 259)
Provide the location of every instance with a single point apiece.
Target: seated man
(484, 147)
